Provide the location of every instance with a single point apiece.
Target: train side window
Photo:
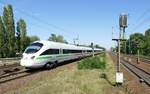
(50, 51)
(89, 50)
(67, 51)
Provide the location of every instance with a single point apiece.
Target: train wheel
(56, 63)
(49, 65)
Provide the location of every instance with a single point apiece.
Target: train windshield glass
(33, 48)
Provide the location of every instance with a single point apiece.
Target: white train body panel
(41, 52)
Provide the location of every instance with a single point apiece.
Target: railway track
(9, 68)
(145, 60)
(141, 59)
(10, 72)
(141, 65)
(18, 74)
(13, 75)
(137, 71)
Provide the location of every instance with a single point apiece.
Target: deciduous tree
(2, 38)
(22, 35)
(9, 26)
(57, 38)
(34, 38)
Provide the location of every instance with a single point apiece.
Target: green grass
(71, 80)
(96, 62)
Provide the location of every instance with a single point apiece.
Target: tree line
(137, 41)
(57, 38)
(13, 40)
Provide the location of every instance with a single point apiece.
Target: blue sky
(92, 20)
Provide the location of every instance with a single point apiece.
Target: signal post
(123, 25)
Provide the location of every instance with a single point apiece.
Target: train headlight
(25, 57)
(32, 57)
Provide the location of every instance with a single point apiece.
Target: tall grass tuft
(97, 62)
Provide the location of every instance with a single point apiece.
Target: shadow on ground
(104, 76)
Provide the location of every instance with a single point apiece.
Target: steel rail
(137, 71)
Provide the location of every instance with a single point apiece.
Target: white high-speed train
(48, 54)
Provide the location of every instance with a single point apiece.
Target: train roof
(58, 45)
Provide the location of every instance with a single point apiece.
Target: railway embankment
(72, 78)
(9, 61)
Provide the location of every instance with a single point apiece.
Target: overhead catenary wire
(50, 26)
(140, 21)
(140, 24)
(35, 18)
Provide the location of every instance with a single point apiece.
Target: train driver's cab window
(33, 48)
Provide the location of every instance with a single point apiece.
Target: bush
(97, 62)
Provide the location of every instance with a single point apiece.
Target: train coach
(47, 54)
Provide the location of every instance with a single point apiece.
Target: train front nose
(27, 61)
